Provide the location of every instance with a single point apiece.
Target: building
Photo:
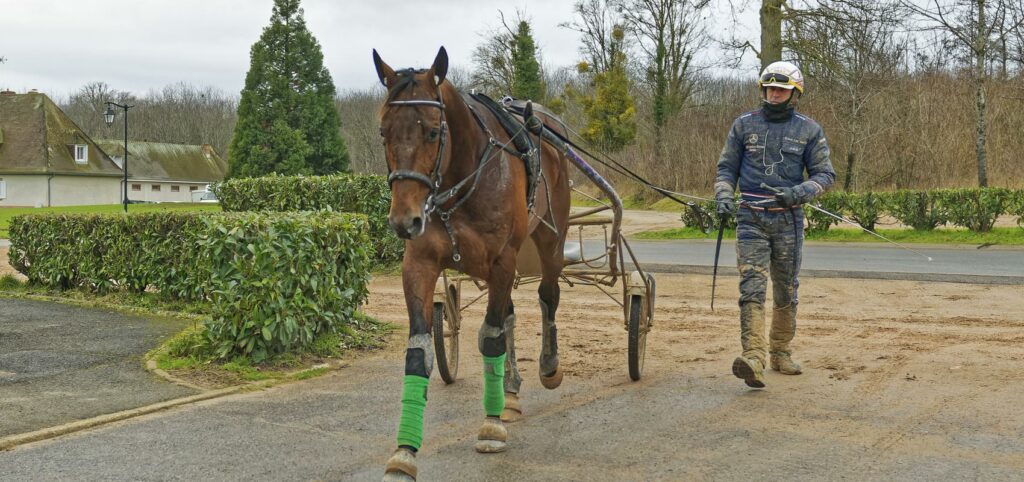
(47, 160)
(160, 172)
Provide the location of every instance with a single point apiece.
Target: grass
(7, 213)
(998, 236)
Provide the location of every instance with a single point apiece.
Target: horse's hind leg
(418, 280)
(493, 347)
(549, 245)
(513, 410)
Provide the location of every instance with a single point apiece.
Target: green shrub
(865, 208)
(920, 210)
(706, 217)
(820, 222)
(277, 281)
(362, 194)
(1016, 207)
(976, 209)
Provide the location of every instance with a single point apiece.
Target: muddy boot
(751, 370)
(782, 363)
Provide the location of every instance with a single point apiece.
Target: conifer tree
(287, 120)
(527, 81)
(611, 113)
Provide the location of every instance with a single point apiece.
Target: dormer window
(81, 153)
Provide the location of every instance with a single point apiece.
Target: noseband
(434, 180)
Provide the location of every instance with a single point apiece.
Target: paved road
(60, 363)
(856, 260)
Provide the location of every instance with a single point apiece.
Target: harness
(438, 198)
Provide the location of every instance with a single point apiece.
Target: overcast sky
(57, 46)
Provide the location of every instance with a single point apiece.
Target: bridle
(433, 181)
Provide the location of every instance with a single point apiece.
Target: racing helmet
(782, 74)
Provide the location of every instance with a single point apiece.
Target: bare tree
(975, 25)
(597, 19)
(852, 52)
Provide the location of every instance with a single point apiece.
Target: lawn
(7, 213)
(1006, 236)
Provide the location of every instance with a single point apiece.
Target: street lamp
(108, 117)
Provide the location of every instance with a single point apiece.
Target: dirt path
(901, 371)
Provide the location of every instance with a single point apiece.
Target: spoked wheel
(446, 337)
(641, 314)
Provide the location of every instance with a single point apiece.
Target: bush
(864, 208)
(706, 217)
(362, 194)
(920, 210)
(278, 281)
(975, 209)
(1016, 207)
(820, 222)
(274, 280)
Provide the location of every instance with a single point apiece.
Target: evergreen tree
(287, 121)
(527, 81)
(611, 113)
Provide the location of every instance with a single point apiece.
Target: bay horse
(459, 199)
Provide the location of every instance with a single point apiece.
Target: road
(850, 260)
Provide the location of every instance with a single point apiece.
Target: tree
(507, 63)
(851, 51)
(975, 25)
(287, 122)
(611, 114)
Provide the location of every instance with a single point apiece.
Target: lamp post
(108, 117)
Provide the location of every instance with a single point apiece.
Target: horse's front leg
(513, 409)
(418, 278)
(493, 347)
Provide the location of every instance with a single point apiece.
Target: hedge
(975, 209)
(273, 280)
(364, 194)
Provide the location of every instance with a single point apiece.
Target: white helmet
(782, 74)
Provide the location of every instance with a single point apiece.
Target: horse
(459, 199)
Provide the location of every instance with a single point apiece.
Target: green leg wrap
(494, 379)
(414, 401)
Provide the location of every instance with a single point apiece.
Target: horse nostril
(416, 226)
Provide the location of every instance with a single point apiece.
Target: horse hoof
(492, 437)
(401, 466)
(513, 411)
(553, 381)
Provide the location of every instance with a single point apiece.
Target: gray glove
(726, 205)
(786, 197)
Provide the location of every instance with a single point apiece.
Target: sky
(57, 46)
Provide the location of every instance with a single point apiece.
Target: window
(193, 188)
(156, 188)
(175, 188)
(81, 153)
(136, 187)
(3, 188)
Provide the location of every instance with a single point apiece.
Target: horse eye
(433, 134)
(382, 132)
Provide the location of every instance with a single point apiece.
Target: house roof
(158, 161)
(38, 138)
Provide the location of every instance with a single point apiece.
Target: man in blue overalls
(772, 146)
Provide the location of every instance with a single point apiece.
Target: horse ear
(440, 67)
(384, 72)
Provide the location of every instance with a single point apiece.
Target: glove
(786, 197)
(726, 205)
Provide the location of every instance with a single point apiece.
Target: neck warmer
(777, 112)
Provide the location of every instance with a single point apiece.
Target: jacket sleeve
(729, 162)
(821, 175)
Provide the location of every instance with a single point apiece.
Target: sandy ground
(922, 370)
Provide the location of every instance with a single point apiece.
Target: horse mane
(406, 80)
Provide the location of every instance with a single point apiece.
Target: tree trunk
(771, 31)
(980, 51)
(850, 158)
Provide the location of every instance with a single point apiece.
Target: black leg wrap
(419, 356)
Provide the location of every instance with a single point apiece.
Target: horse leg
(513, 410)
(493, 346)
(418, 280)
(550, 249)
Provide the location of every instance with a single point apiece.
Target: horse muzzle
(408, 227)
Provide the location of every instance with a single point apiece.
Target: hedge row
(362, 194)
(976, 209)
(273, 280)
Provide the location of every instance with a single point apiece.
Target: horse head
(414, 132)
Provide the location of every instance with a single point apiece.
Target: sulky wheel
(639, 324)
(446, 336)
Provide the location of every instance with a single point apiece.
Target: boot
(782, 363)
(751, 370)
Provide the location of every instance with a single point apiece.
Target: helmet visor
(777, 80)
